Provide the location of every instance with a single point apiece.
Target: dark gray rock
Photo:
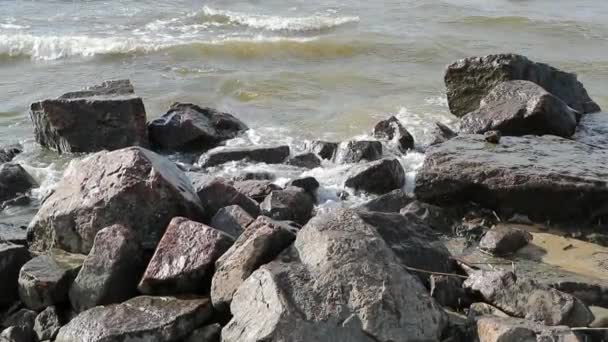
(218, 193)
(108, 117)
(524, 298)
(448, 291)
(188, 127)
(259, 244)
(309, 184)
(377, 177)
(543, 177)
(12, 258)
(484, 309)
(13, 234)
(7, 153)
(504, 240)
(493, 137)
(16, 334)
(14, 180)
(139, 319)
(208, 333)
(184, 259)
(47, 324)
(292, 203)
(503, 329)
(45, 280)
(323, 149)
(256, 189)
(22, 318)
(259, 154)
(134, 187)
(339, 260)
(231, 220)
(469, 80)
(392, 129)
(305, 160)
(255, 175)
(20, 201)
(111, 271)
(441, 133)
(391, 202)
(356, 151)
(438, 218)
(520, 108)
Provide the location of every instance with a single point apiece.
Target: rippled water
(293, 70)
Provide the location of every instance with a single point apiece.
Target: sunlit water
(292, 70)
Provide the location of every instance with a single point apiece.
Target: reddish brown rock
(184, 259)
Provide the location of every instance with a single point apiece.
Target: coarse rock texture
(218, 193)
(134, 187)
(254, 175)
(231, 220)
(309, 184)
(46, 279)
(377, 177)
(104, 117)
(492, 137)
(258, 154)
(524, 298)
(259, 244)
(355, 151)
(438, 218)
(341, 261)
(504, 240)
(47, 324)
(23, 318)
(184, 259)
(305, 160)
(188, 127)
(13, 234)
(441, 133)
(12, 258)
(16, 334)
(139, 319)
(544, 177)
(14, 180)
(448, 291)
(324, 149)
(391, 202)
(111, 271)
(521, 108)
(256, 189)
(484, 309)
(7, 153)
(392, 129)
(208, 333)
(502, 329)
(469, 80)
(291, 203)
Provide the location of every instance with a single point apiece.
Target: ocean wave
(59, 47)
(276, 23)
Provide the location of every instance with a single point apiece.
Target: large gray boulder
(521, 108)
(258, 154)
(111, 271)
(508, 329)
(377, 177)
(133, 187)
(524, 298)
(340, 282)
(469, 80)
(45, 280)
(259, 244)
(543, 177)
(12, 257)
(218, 193)
(47, 324)
(188, 127)
(14, 180)
(256, 189)
(305, 160)
(391, 129)
(355, 151)
(109, 116)
(184, 259)
(291, 204)
(232, 220)
(504, 240)
(142, 318)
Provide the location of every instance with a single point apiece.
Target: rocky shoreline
(503, 238)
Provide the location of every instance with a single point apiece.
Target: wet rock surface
(309, 184)
(438, 218)
(441, 133)
(521, 108)
(133, 187)
(337, 258)
(7, 153)
(305, 160)
(292, 203)
(260, 154)
(358, 150)
(141, 318)
(14, 180)
(259, 244)
(256, 189)
(392, 129)
(378, 177)
(543, 177)
(109, 116)
(469, 80)
(184, 258)
(231, 220)
(12, 258)
(391, 202)
(323, 149)
(504, 240)
(111, 271)
(188, 127)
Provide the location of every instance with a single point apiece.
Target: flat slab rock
(503, 329)
(340, 282)
(259, 154)
(503, 240)
(108, 116)
(134, 187)
(139, 319)
(543, 177)
(377, 177)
